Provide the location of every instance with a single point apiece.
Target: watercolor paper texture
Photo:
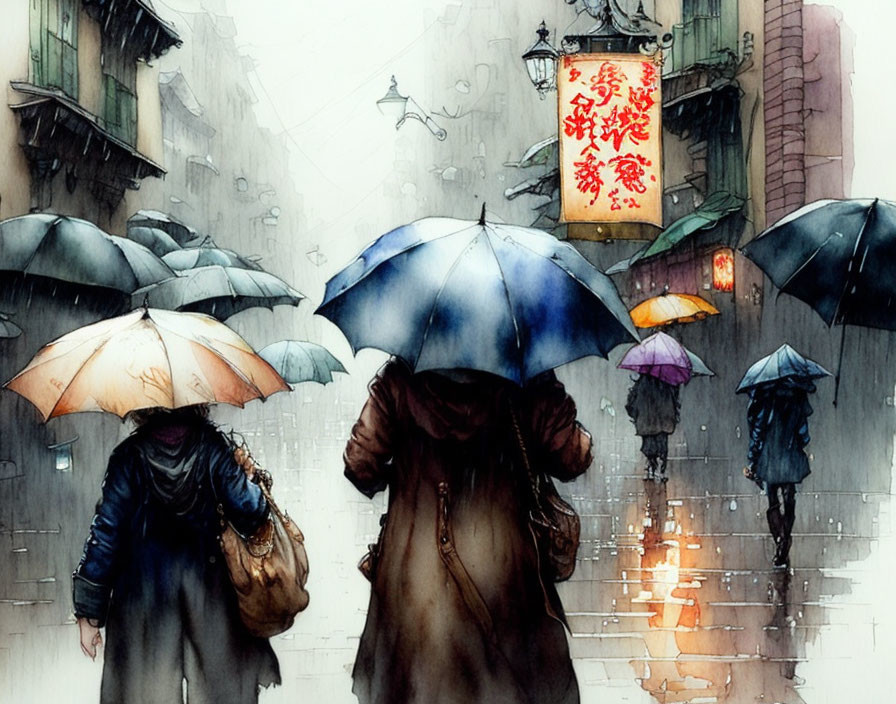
(264, 145)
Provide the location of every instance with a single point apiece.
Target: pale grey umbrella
(299, 360)
(77, 251)
(218, 291)
(159, 241)
(195, 257)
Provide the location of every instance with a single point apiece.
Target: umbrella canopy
(157, 241)
(454, 294)
(77, 251)
(670, 308)
(660, 356)
(8, 329)
(179, 232)
(839, 256)
(147, 358)
(298, 361)
(219, 291)
(698, 366)
(784, 362)
(195, 257)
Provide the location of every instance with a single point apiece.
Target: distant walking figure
(654, 408)
(459, 611)
(779, 431)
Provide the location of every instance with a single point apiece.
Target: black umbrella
(838, 256)
(77, 251)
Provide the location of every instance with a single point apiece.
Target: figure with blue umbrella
(778, 417)
(465, 426)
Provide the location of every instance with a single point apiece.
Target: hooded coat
(653, 405)
(422, 643)
(152, 572)
(778, 417)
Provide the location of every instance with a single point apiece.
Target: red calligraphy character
(649, 76)
(574, 73)
(630, 170)
(607, 83)
(625, 123)
(588, 176)
(631, 203)
(641, 99)
(581, 122)
(614, 199)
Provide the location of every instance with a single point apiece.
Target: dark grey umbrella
(298, 361)
(179, 232)
(77, 251)
(838, 256)
(8, 329)
(218, 291)
(195, 257)
(158, 241)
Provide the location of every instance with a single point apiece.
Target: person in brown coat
(490, 630)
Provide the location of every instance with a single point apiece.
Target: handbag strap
(534, 481)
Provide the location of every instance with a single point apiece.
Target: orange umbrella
(144, 359)
(671, 308)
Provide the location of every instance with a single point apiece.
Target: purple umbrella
(659, 356)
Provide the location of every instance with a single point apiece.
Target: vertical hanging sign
(610, 138)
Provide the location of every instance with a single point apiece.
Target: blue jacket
(778, 418)
(152, 571)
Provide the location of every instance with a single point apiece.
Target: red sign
(610, 138)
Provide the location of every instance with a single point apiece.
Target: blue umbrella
(454, 294)
(784, 362)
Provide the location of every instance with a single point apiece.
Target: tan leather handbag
(269, 569)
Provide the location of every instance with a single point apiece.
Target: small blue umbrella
(784, 362)
(453, 294)
(298, 361)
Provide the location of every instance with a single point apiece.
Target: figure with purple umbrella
(778, 416)
(653, 404)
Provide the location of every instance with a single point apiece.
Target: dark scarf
(170, 453)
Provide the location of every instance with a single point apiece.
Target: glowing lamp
(723, 270)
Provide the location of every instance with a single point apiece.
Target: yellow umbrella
(144, 359)
(671, 308)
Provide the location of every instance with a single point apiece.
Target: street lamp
(541, 62)
(614, 32)
(400, 107)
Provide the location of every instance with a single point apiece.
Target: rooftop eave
(54, 123)
(134, 22)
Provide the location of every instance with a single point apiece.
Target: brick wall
(785, 177)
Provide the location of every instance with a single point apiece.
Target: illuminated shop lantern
(723, 270)
(610, 138)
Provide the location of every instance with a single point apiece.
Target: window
(63, 460)
(54, 44)
(708, 28)
(120, 91)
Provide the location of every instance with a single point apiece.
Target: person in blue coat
(778, 419)
(153, 575)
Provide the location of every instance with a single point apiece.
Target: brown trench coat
(421, 642)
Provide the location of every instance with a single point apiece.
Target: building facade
(82, 127)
